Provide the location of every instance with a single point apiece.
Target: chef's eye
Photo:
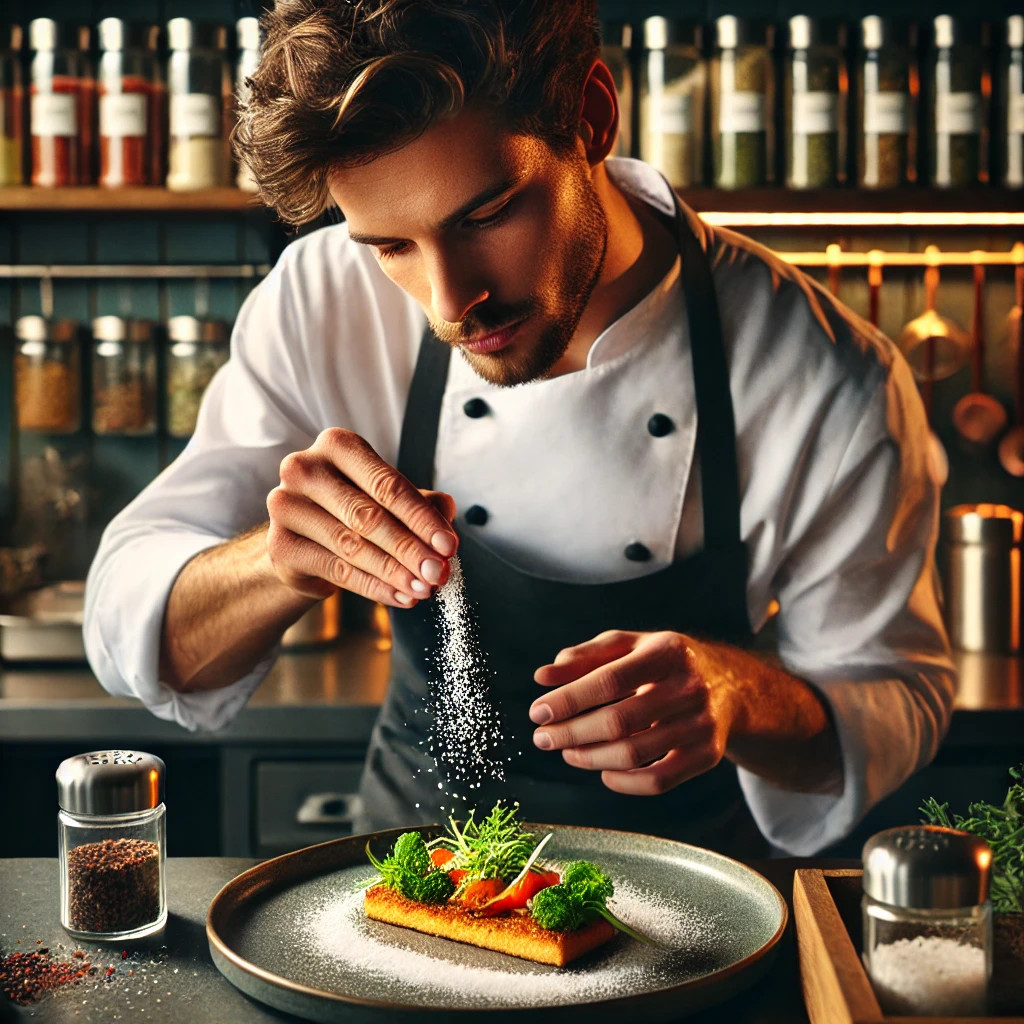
(491, 219)
(394, 249)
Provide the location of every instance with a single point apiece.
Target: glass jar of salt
(112, 846)
(928, 920)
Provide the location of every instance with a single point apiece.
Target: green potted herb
(1003, 828)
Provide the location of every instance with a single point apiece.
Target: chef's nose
(455, 288)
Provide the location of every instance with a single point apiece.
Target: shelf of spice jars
(83, 199)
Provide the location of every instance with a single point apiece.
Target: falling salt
(466, 725)
(929, 975)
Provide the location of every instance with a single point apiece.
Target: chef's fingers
(572, 662)
(676, 767)
(656, 656)
(305, 518)
(311, 476)
(641, 751)
(444, 503)
(652, 702)
(305, 566)
(356, 459)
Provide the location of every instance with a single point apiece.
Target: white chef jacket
(839, 510)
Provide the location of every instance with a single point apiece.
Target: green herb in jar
(958, 107)
(741, 138)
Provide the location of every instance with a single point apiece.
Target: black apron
(524, 620)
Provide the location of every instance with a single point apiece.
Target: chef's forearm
(226, 610)
(782, 730)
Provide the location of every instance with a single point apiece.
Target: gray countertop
(332, 696)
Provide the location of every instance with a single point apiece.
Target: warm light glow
(984, 859)
(909, 219)
(154, 787)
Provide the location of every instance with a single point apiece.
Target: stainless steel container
(928, 920)
(983, 585)
(112, 844)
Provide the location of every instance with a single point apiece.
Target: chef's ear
(599, 113)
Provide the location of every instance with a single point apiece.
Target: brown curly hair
(343, 81)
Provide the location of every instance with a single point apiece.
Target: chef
(644, 437)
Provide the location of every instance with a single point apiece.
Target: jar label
(815, 113)
(958, 113)
(123, 115)
(195, 114)
(675, 114)
(742, 112)
(1016, 115)
(54, 114)
(886, 113)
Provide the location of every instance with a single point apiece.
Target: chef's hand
(647, 710)
(342, 517)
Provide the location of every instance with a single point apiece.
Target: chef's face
(499, 240)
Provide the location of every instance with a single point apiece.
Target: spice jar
(248, 30)
(1013, 102)
(928, 920)
(672, 83)
(129, 92)
(742, 100)
(12, 106)
(61, 113)
(958, 115)
(815, 103)
(887, 83)
(112, 846)
(197, 83)
(616, 48)
(123, 376)
(47, 373)
(197, 349)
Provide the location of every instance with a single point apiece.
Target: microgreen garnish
(496, 847)
(407, 870)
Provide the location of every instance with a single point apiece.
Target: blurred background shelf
(126, 200)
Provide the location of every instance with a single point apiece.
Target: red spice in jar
(62, 132)
(126, 133)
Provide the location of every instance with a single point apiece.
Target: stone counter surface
(180, 985)
(332, 696)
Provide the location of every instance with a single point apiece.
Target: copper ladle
(979, 418)
(935, 346)
(1011, 447)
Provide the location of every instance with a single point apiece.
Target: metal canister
(112, 844)
(983, 585)
(928, 920)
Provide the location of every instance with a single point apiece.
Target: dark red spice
(114, 885)
(127, 159)
(24, 977)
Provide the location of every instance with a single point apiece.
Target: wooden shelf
(24, 199)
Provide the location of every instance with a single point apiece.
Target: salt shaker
(112, 846)
(928, 920)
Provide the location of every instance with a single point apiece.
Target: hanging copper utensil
(979, 418)
(951, 345)
(874, 286)
(832, 254)
(1011, 447)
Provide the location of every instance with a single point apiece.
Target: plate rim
(222, 903)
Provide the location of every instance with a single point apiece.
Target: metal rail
(101, 271)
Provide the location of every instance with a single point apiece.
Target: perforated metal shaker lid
(110, 782)
(927, 867)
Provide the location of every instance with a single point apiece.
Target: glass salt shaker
(112, 846)
(928, 920)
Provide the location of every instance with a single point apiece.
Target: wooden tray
(826, 907)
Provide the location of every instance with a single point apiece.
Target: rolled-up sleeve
(860, 620)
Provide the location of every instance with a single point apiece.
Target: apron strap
(423, 411)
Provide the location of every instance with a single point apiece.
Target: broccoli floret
(556, 908)
(437, 887)
(411, 852)
(588, 882)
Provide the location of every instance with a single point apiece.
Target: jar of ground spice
(61, 113)
(196, 350)
(249, 43)
(1012, 89)
(130, 105)
(742, 103)
(123, 376)
(112, 845)
(815, 103)
(672, 87)
(47, 373)
(928, 921)
(887, 84)
(12, 106)
(958, 83)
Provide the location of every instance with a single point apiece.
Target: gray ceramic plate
(291, 933)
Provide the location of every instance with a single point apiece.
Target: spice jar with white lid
(1013, 102)
(123, 376)
(12, 104)
(249, 43)
(112, 844)
(928, 920)
(196, 350)
(198, 80)
(47, 373)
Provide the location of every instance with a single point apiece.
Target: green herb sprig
(1003, 828)
(581, 897)
(408, 870)
(496, 847)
